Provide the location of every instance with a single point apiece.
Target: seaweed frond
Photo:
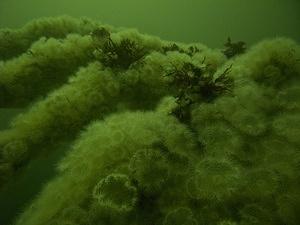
(234, 48)
(192, 50)
(120, 54)
(194, 84)
(172, 48)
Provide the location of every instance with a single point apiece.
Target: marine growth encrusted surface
(164, 133)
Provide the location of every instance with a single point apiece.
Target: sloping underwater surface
(163, 133)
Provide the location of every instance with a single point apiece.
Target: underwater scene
(162, 112)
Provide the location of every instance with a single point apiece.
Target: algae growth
(162, 133)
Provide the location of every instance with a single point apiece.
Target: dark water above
(206, 21)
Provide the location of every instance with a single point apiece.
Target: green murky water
(205, 21)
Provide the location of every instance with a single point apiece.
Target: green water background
(206, 21)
